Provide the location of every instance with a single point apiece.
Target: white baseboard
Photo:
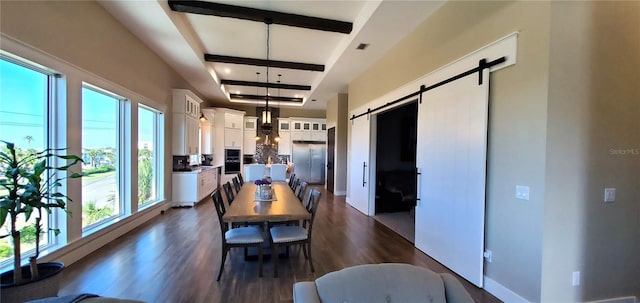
(617, 300)
(340, 193)
(501, 292)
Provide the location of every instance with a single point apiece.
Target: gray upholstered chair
(292, 235)
(278, 172)
(387, 282)
(236, 237)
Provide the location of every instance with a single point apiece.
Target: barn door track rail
(482, 64)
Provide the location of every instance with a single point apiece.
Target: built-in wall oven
(231, 161)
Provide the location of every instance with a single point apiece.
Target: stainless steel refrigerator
(309, 162)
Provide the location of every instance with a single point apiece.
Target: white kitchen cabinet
(233, 138)
(319, 136)
(249, 138)
(189, 188)
(232, 120)
(185, 125)
(284, 145)
(284, 125)
(308, 129)
(249, 142)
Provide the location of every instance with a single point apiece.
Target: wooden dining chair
(240, 179)
(236, 184)
(296, 183)
(302, 189)
(292, 178)
(236, 237)
(228, 192)
(293, 235)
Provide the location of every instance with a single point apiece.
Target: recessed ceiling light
(297, 96)
(227, 70)
(362, 46)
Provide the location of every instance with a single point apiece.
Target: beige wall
(337, 116)
(559, 120)
(594, 143)
(83, 34)
(517, 130)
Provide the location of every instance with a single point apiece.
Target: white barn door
(451, 159)
(359, 165)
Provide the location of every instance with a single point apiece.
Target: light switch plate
(522, 192)
(609, 195)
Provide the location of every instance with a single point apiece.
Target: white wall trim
(501, 292)
(617, 300)
(340, 193)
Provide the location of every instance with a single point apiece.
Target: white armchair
(255, 172)
(278, 172)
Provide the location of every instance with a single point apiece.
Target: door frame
(331, 158)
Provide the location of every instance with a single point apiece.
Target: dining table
(248, 207)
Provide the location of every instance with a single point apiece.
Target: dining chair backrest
(315, 202)
(296, 183)
(302, 190)
(236, 184)
(216, 196)
(292, 178)
(240, 179)
(278, 172)
(228, 192)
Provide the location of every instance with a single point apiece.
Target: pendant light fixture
(257, 80)
(266, 114)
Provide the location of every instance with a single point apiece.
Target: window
(102, 150)
(150, 127)
(25, 100)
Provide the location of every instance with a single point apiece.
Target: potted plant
(28, 188)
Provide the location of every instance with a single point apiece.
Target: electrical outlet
(487, 255)
(522, 192)
(575, 278)
(609, 195)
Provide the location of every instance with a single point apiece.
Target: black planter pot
(45, 286)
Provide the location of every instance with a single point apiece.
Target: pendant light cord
(268, 22)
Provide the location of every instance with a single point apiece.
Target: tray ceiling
(182, 39)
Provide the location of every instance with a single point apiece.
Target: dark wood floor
(175, 258)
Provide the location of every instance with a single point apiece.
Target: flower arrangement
(263, 181)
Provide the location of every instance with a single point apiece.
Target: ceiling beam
(262, 62)
(260, 15)
(264, 84)
(264, 98)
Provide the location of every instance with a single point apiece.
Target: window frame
(51, 129)
(158, 155)
(122, 168)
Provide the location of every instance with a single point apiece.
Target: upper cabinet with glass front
(308, 129)
(186, 110)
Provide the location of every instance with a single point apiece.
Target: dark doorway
(331, 147)
(395, 198)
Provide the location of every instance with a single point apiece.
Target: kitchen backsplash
(264, 151)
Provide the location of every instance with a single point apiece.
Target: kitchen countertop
(197, 170)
